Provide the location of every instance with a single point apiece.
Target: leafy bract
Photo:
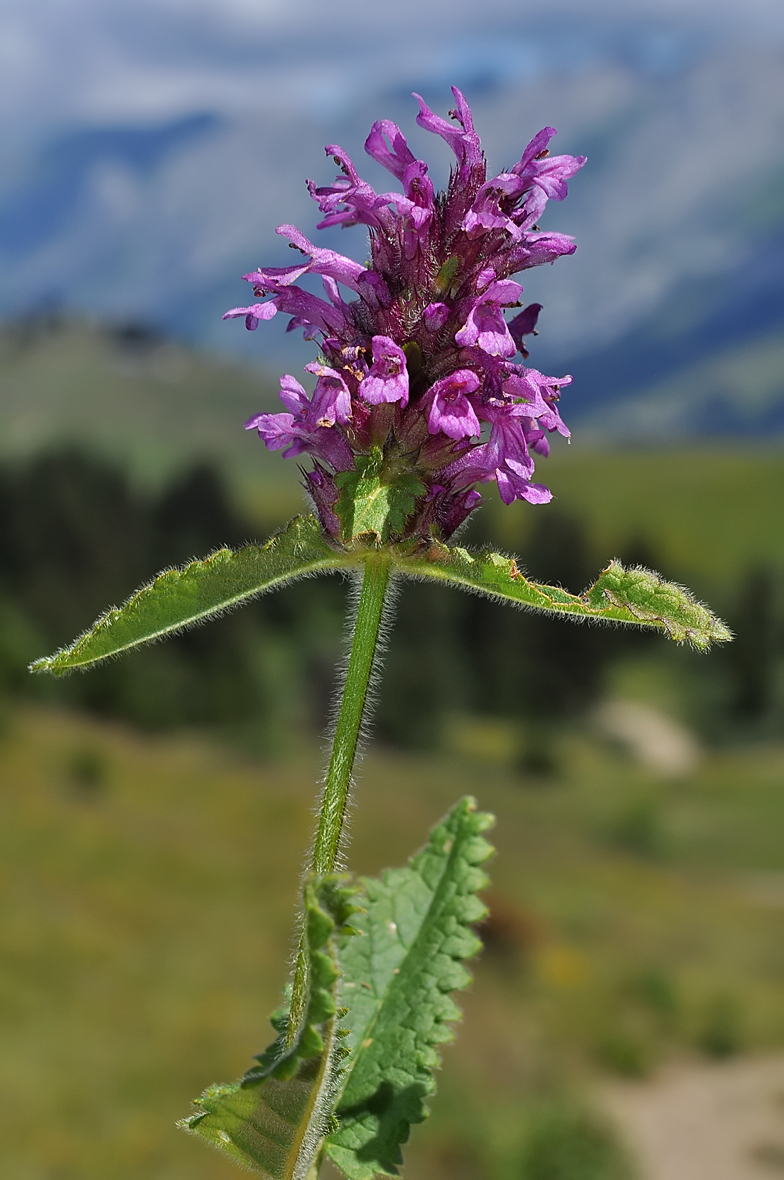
(371, 511)
(273, 1120)
(636, 596)
(178, 598)
(396, 980)
(372, 501)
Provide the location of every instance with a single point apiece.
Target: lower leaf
(396, 979)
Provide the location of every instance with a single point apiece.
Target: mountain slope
(129, 395)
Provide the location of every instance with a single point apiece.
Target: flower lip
(451, 411)
(387, 378)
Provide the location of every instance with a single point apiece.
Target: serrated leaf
(273, 1119)
(397, 976)
(635, 596)
(180, 597)
(372, 502)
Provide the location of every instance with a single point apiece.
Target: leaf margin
(457, 840)
(315, 1049)
(615, 597)
(302, 532)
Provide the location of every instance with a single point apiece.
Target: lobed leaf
(273, 1119)
(178, 598)
(635, 596)
(397, 975)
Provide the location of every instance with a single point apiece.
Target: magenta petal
(435, 316)
(387, 379)
(256, 312)
(451, 412)
(397, 158)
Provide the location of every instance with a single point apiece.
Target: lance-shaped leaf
(178, 598)
(397, 976)
(273, 1120)
(635, 596)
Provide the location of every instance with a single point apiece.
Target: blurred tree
(754, 653)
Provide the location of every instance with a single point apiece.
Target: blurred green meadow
(149, 884)
(154, 814)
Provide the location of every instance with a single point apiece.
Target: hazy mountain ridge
(678, 217)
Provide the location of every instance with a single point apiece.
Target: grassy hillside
(150, 404)
(148, 888)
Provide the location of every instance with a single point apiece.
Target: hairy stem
(334, 800)
(364, 644)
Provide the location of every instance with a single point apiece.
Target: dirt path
(706, 1122)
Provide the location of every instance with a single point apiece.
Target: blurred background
(627, 1017)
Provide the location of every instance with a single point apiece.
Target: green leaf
(397, 976)
(273, 1120)
(635, 596)
(178, 598)
(371, 501)
(446, 274)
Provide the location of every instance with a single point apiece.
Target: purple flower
(543, 176)
(435, 316)
(322, 262)
(485, 325)
(416, 349)
(387, 377)
(253, 314)
(487, 211)
(451, 412)
(463, 140)
(331, 398)
(524, 324)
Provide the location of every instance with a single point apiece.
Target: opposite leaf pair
(179, 598)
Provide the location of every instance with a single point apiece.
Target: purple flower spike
(417, 348)
(450, 410)
(387, 379)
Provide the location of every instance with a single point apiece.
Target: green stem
(364, 643)
(334, 800)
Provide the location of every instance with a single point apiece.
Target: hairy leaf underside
(179, 598)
